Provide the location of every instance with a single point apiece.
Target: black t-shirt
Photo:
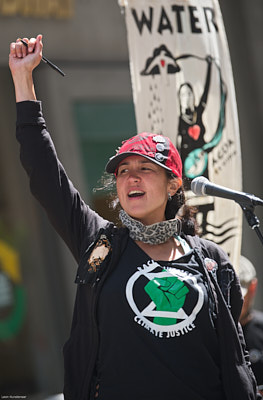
(253, 332)
(157, 339)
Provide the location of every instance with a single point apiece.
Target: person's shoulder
(253, 327)
(207, 245)
(212, 251)
(120, 233)
(258, 317)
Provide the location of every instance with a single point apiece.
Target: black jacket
(82, 229)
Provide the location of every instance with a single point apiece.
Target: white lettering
(156, 333)
(180, 332)
(169, 334)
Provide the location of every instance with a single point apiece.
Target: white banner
(183, 88)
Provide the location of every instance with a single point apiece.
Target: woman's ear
(173, 185)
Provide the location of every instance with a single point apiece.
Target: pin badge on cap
(159, 139)
(160, 147)
(159, 157)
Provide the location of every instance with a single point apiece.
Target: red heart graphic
(162, 63)
(194, 132)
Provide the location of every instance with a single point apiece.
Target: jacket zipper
(96, 287)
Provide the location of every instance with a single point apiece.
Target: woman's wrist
(24, 86)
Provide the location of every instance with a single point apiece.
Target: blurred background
(89, 112)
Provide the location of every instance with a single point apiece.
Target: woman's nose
(134, 176)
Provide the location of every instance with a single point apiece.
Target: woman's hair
(177, 207)
(174, 207)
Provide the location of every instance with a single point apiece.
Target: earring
(169, 196)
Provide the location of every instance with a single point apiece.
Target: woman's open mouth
(135, 193)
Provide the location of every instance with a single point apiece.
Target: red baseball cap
(156, 148)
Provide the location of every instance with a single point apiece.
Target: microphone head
(198, 185)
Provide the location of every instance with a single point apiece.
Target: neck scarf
(156, 233)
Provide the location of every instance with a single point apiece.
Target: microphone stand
(252, 219)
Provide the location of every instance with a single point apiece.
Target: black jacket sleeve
(75, 222)
(237, 376)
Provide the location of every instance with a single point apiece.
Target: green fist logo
(169, 295)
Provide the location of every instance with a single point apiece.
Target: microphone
(201, 186)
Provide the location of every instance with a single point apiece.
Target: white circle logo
(165, 316)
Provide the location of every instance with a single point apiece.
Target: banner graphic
(183, 88)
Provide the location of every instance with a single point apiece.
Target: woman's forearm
(24, 87)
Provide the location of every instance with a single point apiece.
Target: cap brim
(114, 161)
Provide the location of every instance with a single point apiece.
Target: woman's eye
(146, 169)
(122, 171)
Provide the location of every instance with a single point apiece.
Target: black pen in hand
(45, 60)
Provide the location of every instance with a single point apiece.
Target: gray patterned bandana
(156, 233)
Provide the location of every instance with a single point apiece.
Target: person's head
(248, 281)
(148, 170)
(186, 96)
